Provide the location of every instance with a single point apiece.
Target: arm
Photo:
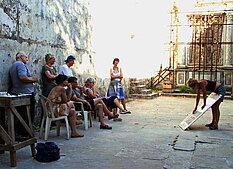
(111, 75)
(76, 99)
(66, 95)
(203, 85)
(116, 76)
(27, 79)
(63, 95)
(91, 92)
(197, 89)
(24, 74)
(121, 74)
(69, 91)
(51, 75)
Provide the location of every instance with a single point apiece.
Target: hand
(69, 85)
(34, 79)
(88, 104)
(84, 88)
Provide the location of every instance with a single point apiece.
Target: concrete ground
(148, 138)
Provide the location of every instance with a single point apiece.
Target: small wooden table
(8, 142)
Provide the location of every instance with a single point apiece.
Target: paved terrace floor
(149, 138)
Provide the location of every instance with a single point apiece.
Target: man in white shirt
(65, 69)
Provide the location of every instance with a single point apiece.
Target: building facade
(201, 43)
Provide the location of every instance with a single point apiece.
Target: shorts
(220, 90)
(109, 101)
(85, 106)
(91, 102)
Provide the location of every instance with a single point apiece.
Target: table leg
(2, 123)
(33, 150)
(13, 158)
(11, 124)
(2, 142)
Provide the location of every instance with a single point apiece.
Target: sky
(135, 31)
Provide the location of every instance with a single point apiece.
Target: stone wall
(45, 26)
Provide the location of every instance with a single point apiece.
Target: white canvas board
(192, 117)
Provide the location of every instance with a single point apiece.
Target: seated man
(91, 104)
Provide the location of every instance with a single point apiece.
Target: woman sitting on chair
(62, 104)
(111, 102)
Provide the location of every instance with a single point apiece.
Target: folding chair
(49, 116)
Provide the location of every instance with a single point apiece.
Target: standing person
(65, 68)
(212, 86)
(22, 82)
(62, 104)
(115, 86)
(49, 73)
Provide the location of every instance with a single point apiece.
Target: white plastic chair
(86, 115)
(49, 117)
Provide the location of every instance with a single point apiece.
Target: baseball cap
(71, 57)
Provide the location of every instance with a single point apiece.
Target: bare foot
(76, 135)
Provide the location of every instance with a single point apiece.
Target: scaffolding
(201, 46)
(204, 56)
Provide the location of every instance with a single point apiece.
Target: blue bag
(47, 152)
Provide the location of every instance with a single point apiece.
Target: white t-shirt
(65, 70)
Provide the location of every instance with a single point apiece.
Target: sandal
(105, 127)
(117, 119)
(209, 125)
(113, 117)
(213, 128)
(76, 136)
(125, 112)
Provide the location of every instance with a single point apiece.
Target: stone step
(227, 93)
(140, 86)
(144, 96)
(146, 91)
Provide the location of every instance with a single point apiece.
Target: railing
(160, 76)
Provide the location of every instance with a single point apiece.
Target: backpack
(47, 152)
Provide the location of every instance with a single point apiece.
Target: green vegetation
(184, 89)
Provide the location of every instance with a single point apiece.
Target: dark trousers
(20, 130)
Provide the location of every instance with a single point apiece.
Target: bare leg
(116, 101)
(99, 109)
(72, 121)
(217, 113)
(105, 109)
(213, 115)
(123, 103)
(115, 111)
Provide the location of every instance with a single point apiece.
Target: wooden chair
(49, 116)
(86, 115)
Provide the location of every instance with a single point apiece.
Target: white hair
(21, 53)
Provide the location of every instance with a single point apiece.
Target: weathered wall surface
(44, 26)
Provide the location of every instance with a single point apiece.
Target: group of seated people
(62, 88)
